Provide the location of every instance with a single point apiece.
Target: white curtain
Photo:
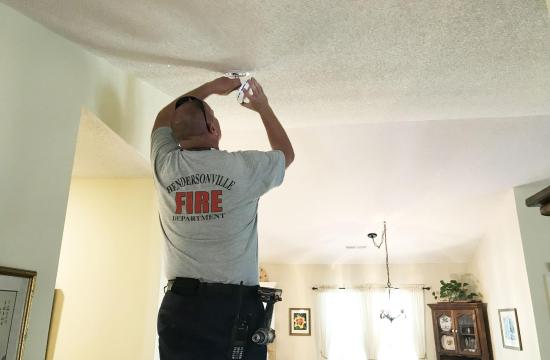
(341, 315)
(349, 324)
(418, 318)
(374, 301)
(324, 331)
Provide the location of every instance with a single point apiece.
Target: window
(341, 321)
(393, 340)
(349, 325)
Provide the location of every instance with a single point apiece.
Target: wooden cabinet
(461, 331)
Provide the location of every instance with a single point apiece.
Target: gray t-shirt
(208, 203)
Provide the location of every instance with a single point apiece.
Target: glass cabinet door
(446, 331)
(468, 339)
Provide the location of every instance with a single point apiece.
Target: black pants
(197, 324)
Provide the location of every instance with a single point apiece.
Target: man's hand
(275, 132)
(224, 85)
(257, 99)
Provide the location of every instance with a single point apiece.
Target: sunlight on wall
(109, 271)
(500, 256)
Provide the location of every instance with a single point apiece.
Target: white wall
(45, 80)
(297, 281)
(535, 235)
(499, 266)
(109, 269)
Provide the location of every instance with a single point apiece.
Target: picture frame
(55, 320)
(299, 321)
(16, 292)
(509, 329)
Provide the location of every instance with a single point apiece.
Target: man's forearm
(277, 135)
(202, 92)
(166, 114)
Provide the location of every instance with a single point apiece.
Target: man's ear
(211, 128)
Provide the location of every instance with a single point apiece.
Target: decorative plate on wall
(445, 323)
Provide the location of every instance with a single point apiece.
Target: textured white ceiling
(356, 83)
(326, 61)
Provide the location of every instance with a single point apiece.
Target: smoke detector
(243, 76)
(237, 74)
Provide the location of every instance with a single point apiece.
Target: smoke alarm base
(237, 74)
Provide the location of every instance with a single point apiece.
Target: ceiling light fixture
(387, 312)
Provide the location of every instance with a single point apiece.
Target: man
(208, 202)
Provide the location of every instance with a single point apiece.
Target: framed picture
(300, 321)
(509, 328)
(16, 291)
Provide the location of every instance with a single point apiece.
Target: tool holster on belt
(263, 335)
(266, 334)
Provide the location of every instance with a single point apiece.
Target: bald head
(189, 121)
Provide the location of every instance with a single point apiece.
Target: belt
(190, 286)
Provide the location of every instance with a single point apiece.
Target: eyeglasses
(182, 100)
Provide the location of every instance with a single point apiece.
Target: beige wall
(109, 271)
(535, 235)
(45, 80)
(297, 280)
(499, 266)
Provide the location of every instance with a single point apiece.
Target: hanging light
(386, 313)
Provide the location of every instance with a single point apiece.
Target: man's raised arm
(275, 132)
